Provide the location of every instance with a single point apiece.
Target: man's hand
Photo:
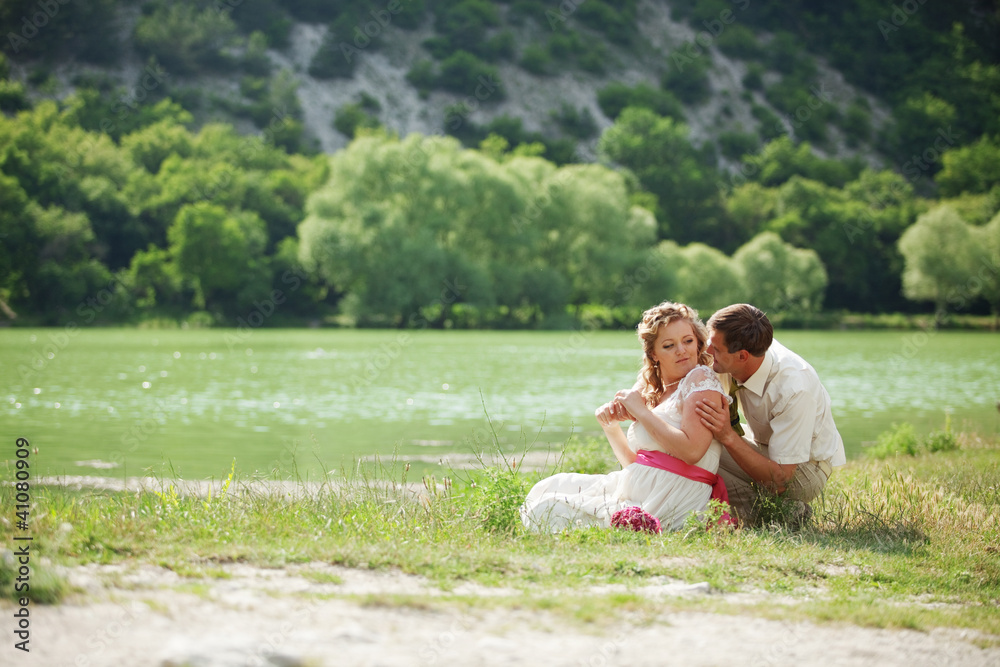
(716, 420)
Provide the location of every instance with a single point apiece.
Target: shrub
(501, 45)
(12, 97)
(690, 82)
(464, 24)
(184, 40)
(576, 123)
(535, 59)
(422, 76)
(941, 441)
(330, 62)
(255, 60)
(462, 72)
(754, 78)
(267, 17)
(857, 124)
(900, 440)
(350, 117)
(770, 125)
(593, 60)
(734, 145)
(738, 41)
(615, 97)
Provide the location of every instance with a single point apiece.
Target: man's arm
(767, 473)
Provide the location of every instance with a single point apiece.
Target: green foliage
(464, 73)
(754, 78)
(739, 41)
(422, 76)
(782, 159)
(494, 498)
(69, 30)
(919, 120)
(780, 278)
(336, 57)
(352, 117)
(12, 97)
(687, 78)
(462, 27)
(734, 145)
(857, 124)
(616, 97)
(400, 222)
(183, 39)
(902, 440)
(588, 456)
(940, 251)
(578, 123)
(854, 230)
(535, 59)
(265, 17)
(617, 20)
(682, 177)
(46, 586)
(974, 168)
(219, 250)
(255, 60)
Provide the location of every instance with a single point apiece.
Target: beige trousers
(806, 484)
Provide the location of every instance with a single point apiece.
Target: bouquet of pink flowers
(635, 518)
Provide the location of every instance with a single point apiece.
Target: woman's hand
(631, 400)
(612, 412)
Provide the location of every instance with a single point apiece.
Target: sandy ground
(322, 615)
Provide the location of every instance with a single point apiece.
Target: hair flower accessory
(637, 519)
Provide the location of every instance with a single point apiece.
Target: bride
(668, 458)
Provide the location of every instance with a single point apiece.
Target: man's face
(723, 361)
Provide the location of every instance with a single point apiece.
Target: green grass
(907, 542)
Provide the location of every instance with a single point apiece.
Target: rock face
(381, 75)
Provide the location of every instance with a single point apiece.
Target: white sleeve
(702, 378)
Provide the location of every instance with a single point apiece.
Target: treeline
(163, 222)
(172, 223)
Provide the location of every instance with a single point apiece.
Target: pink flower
(637, 519)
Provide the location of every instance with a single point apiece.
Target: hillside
(381, 75)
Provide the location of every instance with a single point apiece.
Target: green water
(191, 401)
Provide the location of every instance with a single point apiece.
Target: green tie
(734, 415)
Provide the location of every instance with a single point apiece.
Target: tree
(940, 251)
(682, 177)
(974, 168)
(409, 230)
(218, 251)
(988, 267)
(780, 278)
(709, 279)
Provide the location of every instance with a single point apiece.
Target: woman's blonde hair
(649, 328)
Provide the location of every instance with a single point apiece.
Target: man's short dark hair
(745, 327)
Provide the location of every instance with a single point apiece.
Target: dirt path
(243, 616)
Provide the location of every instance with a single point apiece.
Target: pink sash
(664, 461)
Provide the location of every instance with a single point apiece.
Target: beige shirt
(788, 409)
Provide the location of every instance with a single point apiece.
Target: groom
(795, 443)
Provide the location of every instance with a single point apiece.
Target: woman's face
(676, 350)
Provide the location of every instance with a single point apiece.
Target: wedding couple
(685, 444)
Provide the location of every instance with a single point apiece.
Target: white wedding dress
(569, 500)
